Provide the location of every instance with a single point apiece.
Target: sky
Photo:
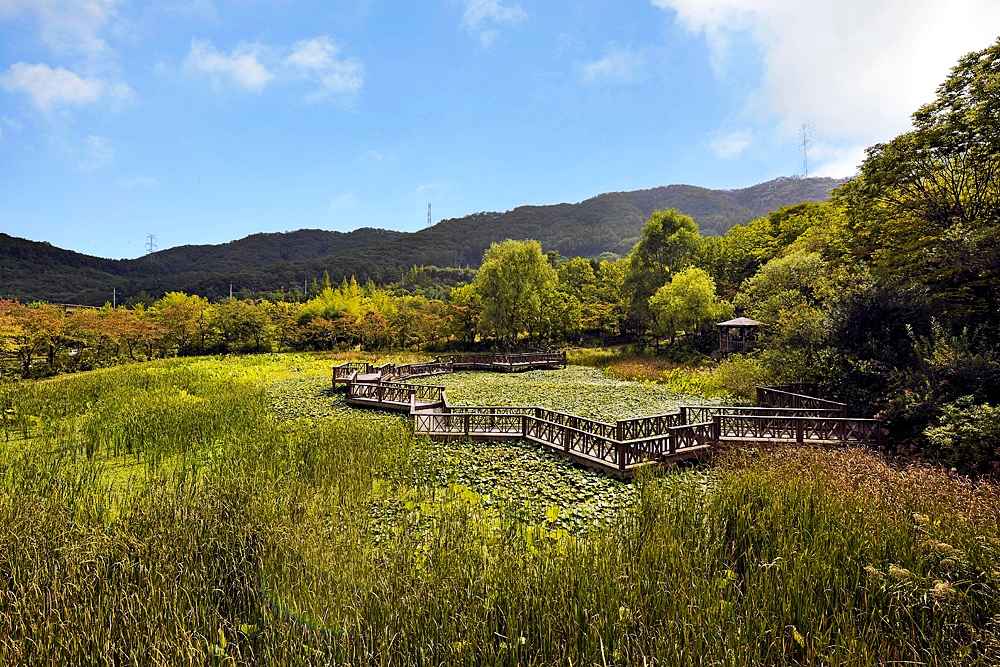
(203, 121)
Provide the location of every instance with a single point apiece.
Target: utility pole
(428, 214)
(114, 297)
(230, 290)
(804, 142)
(150, 244)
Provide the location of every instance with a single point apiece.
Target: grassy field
(234, 511)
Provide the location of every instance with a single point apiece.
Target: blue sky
(202, 121)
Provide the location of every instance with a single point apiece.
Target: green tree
(687, 303)
(464, 313)
(576, 277)
(178, 314)
(512, 282)
(669, 242)
(741, 251)
(244, 325)
(787, 294)
(925, 211)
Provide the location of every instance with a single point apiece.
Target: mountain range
(608, 224)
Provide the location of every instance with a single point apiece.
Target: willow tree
(512, 284)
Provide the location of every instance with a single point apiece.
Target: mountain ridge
(607, 223)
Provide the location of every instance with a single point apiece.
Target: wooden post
(672, 442)
(684, 415)
(466, 418)
(716, 427)
(799, 434)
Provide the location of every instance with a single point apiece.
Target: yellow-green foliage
(265, 523)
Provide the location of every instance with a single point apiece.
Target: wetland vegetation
(234, 511)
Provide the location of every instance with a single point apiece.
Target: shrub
(968, 433)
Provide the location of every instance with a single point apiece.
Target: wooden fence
(506, 362)
(619, 448)
(775, 397)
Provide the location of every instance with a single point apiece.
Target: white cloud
(854, 69)
(254, 66)
(97, 153)
(344, 202)
(386, 155)
(242, 65)
(568, 41)
(201, 10)
(732, 144)
(483, 17)
(835, 161)
(618, 66)
(48, 87)
(318, 58)
(67, 25)
(138, 181)
(433, 190)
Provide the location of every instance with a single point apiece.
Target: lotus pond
(234, 511)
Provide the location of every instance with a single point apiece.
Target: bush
(968, 434)
(739, 376)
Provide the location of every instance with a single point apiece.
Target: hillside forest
(887, 295)
(603, 227)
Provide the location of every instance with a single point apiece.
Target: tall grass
(163, 515)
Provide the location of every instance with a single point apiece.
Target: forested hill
(608, 223)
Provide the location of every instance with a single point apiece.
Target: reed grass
(165, 514)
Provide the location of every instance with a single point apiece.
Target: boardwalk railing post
(672, 442)
(799, 435)
(622, 456)
(467, 425)
(684, 415)
(716, 427)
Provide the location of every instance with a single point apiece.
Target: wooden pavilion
(737, 335)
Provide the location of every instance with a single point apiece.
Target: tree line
(887, 295)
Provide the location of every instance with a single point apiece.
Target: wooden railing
(705, 413)
(779, 398)
(673, 442)
(645, 427)
(619, 448)
(398, 393)
(344, 371)
(501, 361)
(422, 369)
(799, 429)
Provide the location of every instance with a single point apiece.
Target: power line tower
(804, 141)
(150, 244)
(428, 214)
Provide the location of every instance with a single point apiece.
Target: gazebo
(731, 341)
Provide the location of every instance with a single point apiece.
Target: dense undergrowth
(208, 512)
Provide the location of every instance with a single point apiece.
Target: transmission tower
(804, 142)
(150, 244)
(428, 214)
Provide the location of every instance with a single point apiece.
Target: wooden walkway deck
(618, 448)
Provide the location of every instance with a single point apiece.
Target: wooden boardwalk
(618, 448)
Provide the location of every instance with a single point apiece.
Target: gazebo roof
(740, 322)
